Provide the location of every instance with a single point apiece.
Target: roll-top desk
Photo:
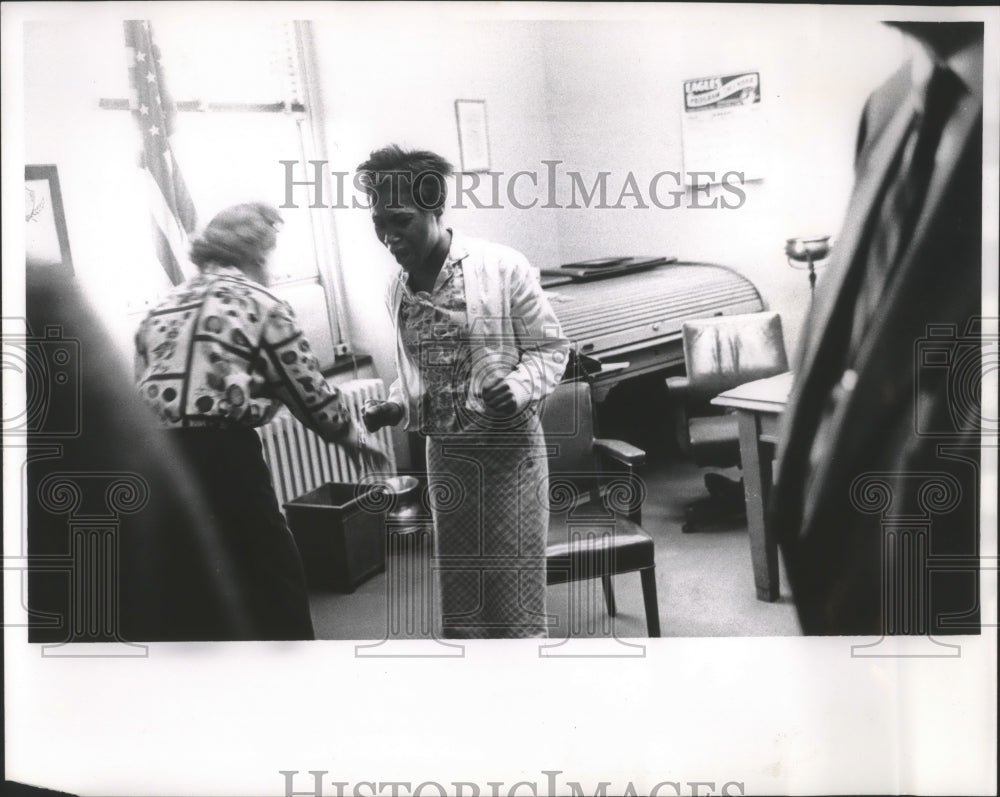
(636, 318)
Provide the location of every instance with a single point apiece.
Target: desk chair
(720, 353)
(595, 503)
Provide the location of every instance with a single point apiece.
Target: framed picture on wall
(473, 136)
(46, 242)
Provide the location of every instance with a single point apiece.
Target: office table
(758, 406)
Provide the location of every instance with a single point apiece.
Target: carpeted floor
(704, 584)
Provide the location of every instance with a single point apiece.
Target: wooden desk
(758, 406)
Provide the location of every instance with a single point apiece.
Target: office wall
(387, 83)
(595, 95)
(614, 100)
(68, 68)
(605, 96)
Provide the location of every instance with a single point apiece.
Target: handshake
(498, 400)
(376, 414)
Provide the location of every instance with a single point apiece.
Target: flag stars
(154, 130)
(150, 77)
(140, 56)
(144, 109)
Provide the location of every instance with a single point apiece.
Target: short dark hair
(240, 236)
(416, 175)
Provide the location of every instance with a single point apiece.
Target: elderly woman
(215, 359)
(478, 347)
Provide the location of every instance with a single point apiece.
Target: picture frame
(473, 135)
(46, 240)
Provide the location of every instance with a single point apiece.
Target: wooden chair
(595, 503)
(720, 353)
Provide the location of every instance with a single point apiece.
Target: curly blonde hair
(241, 236)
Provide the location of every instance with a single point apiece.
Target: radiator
(299, 459)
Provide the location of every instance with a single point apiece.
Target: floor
(704, 583)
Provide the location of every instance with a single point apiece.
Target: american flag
(154, 111)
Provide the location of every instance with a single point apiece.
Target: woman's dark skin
(419, 242)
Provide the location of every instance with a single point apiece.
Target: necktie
(904, 194)
(896, 216)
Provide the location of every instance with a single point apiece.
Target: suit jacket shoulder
(880, 107)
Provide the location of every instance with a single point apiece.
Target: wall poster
(723, 125)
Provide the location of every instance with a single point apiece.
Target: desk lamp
(805, 253)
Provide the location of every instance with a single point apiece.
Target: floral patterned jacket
(220, 350)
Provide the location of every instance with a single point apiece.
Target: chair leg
(609, 595)
(648, 576)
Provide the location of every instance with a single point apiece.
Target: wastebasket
(340, 531)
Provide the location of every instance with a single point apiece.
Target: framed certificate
(46, 242)
(473, 137)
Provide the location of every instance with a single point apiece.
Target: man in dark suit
(876, 501)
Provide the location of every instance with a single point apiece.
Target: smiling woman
(478, 347)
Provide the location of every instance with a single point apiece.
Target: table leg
(757, 475)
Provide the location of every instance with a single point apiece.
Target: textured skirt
(490, 509)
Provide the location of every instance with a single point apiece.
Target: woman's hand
(377, 414)
(365, 456)
(499, 398)
(373, 459)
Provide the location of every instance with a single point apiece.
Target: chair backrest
(567, 416)
(725, 351)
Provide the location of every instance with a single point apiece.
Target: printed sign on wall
(724, 128)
